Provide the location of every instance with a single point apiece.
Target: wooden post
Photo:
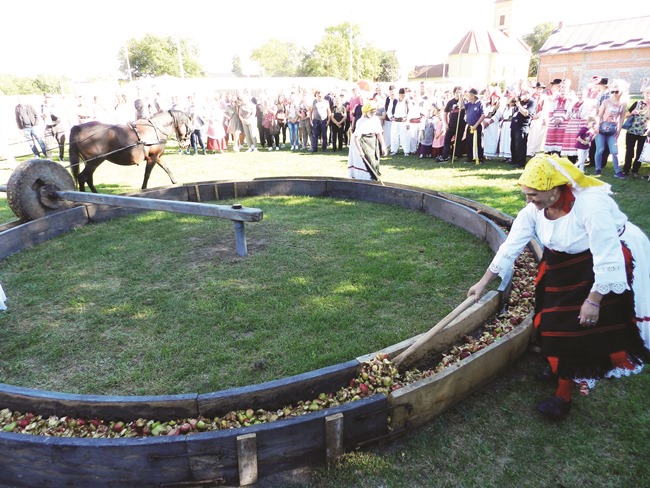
(333, 437)
(240, 238)
(247, 459)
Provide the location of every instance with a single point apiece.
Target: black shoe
(555, 408)
(507, 160)
(520, 166)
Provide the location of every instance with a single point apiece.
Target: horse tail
(73, 153)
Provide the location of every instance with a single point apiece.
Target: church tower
(503, 16)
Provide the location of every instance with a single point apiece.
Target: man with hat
(525, 108)
(539, 122)
(388, 124)
(474, 116)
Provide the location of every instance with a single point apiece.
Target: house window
(502, 20)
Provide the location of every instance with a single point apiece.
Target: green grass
(392, 273)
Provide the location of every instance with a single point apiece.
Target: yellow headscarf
(368, 107)
(545, 171)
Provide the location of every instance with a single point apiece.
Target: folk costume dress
(365, 165)
(591, 248)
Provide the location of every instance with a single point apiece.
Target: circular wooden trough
(244, 456)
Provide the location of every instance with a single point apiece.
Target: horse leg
(150, 164)
(86, 176)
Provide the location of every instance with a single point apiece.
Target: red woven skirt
(563, 283)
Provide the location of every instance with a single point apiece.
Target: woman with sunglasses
(611, 113)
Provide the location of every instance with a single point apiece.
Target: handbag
(645, 152)
(627, 125)
(607, 128)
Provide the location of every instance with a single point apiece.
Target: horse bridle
(177, 124)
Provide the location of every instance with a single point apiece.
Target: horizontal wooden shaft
(194, 208)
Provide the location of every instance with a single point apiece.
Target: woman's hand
(476, 291)
(589, 312)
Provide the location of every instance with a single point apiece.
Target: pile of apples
(378, 375)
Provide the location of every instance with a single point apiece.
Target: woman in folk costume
(492, 126)
(578, 115)
(557, 123)
(592, 295)
(504, 132)
(367, 145)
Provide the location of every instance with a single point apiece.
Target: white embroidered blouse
(595, 222)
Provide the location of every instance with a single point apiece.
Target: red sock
(553, 362)
(564, 389)
(619, 360)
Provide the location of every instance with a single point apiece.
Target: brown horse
(132, 143)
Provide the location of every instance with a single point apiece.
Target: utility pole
(350, 41)
(180, 56)
(128, 63)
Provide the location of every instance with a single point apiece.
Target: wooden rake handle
(419, 348)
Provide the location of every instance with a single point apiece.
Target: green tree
(41, 84)
(156, 56)
(342, 53)
(536, 39)
(279, 58)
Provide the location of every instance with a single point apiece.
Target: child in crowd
(439, 133)
(583, 142)
(426, 136)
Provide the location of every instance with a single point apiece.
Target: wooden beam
(333, 437)
(247, 456)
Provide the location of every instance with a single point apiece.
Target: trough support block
(240, 238)
(333, 437)
(247, 458)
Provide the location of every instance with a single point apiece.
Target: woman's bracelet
(597, 305)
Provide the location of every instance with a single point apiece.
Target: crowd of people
(475, 124)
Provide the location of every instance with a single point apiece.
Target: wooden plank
(431, 396)
(29, 460)
(493, 214)
(286, 444)
(276, 394)
(247, 459)
(108, 407)
(456, 214)
(298, 186)
(376, 193)
(35, 232)
(193, 208)
(333, 437)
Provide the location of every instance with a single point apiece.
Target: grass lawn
(492, 439)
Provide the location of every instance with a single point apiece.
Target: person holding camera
(525, 108)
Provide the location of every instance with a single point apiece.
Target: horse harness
(139, 142)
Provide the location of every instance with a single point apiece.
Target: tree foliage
(279, 58)
(157, 56)
(16, 85)
(342, 53)
(536, 39)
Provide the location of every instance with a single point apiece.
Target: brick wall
(632, 65)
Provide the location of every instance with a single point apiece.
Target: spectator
(28, 121)
(635, 136)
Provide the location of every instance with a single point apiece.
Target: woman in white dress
(367, 145)
(592, 295)
(492, 126)
(504, 133)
